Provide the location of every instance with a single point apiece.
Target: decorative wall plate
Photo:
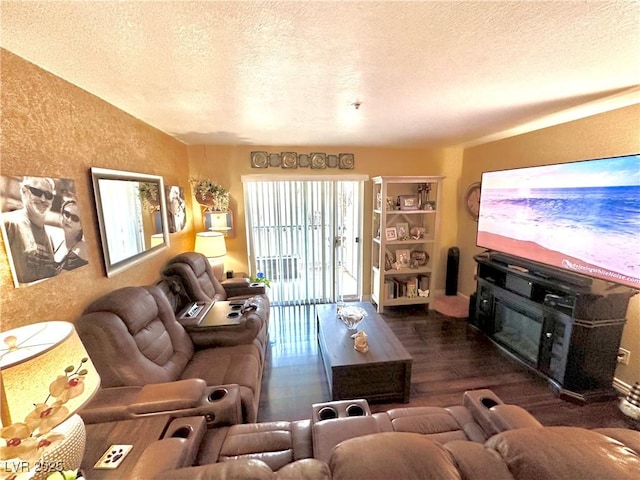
(318, 160)
(472, 200)
(315, 160)
(259, 160)
(289, 160)
(346, 160)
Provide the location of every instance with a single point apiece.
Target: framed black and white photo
(42, 228)
(176, 208)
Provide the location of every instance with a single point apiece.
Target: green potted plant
(260, 278)
(210, 194)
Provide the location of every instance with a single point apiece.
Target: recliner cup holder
(355, 410)
(348, 410)
(488, 402)
(182, 432)
(217, 394)
(234, 314)
(327, 413)
(236, 307)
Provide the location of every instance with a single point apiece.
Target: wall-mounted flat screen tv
(581, 217)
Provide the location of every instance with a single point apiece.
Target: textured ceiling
(288, 73)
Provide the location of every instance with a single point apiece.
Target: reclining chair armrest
(109, 405)
(169, 396)
(509, 417)
(160, 457)
(227, 335)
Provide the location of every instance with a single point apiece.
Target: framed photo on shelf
(408, 202)
(391, 233)
(388, 262)
(403, 257)
(403, 231)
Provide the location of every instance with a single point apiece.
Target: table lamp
(212, 246)
(157, 239)
(45, 377)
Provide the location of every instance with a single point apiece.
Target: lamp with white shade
(212, 246)
(46, 377)
(157, 239)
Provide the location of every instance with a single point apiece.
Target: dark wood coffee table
(383, 374)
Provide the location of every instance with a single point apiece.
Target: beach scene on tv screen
(582, 216)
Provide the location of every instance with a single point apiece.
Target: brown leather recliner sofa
(483, 439)
(201, 282)
(143, 353)
(190, 276)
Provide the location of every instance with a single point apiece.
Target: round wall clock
(472, 200)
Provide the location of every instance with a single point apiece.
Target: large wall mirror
(132, 215)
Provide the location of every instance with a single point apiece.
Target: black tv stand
(540, 270)
(564, 328)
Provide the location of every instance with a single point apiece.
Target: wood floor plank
(449, 357)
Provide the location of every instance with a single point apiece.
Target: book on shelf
(405, 287)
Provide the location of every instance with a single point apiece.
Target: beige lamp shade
(211, 244)
(32, 358)
(157, 239)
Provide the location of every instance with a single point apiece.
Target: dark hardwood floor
(449, 357)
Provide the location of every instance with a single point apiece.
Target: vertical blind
(291, 228)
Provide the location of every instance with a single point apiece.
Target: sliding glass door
(304, 235)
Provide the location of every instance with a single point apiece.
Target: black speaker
(453, 262)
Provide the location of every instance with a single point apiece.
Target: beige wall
(52, 128)
(226, 165)
(607, 134)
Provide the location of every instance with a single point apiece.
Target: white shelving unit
(399, 275)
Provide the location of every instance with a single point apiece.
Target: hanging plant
(149, 196)
(210, 195)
